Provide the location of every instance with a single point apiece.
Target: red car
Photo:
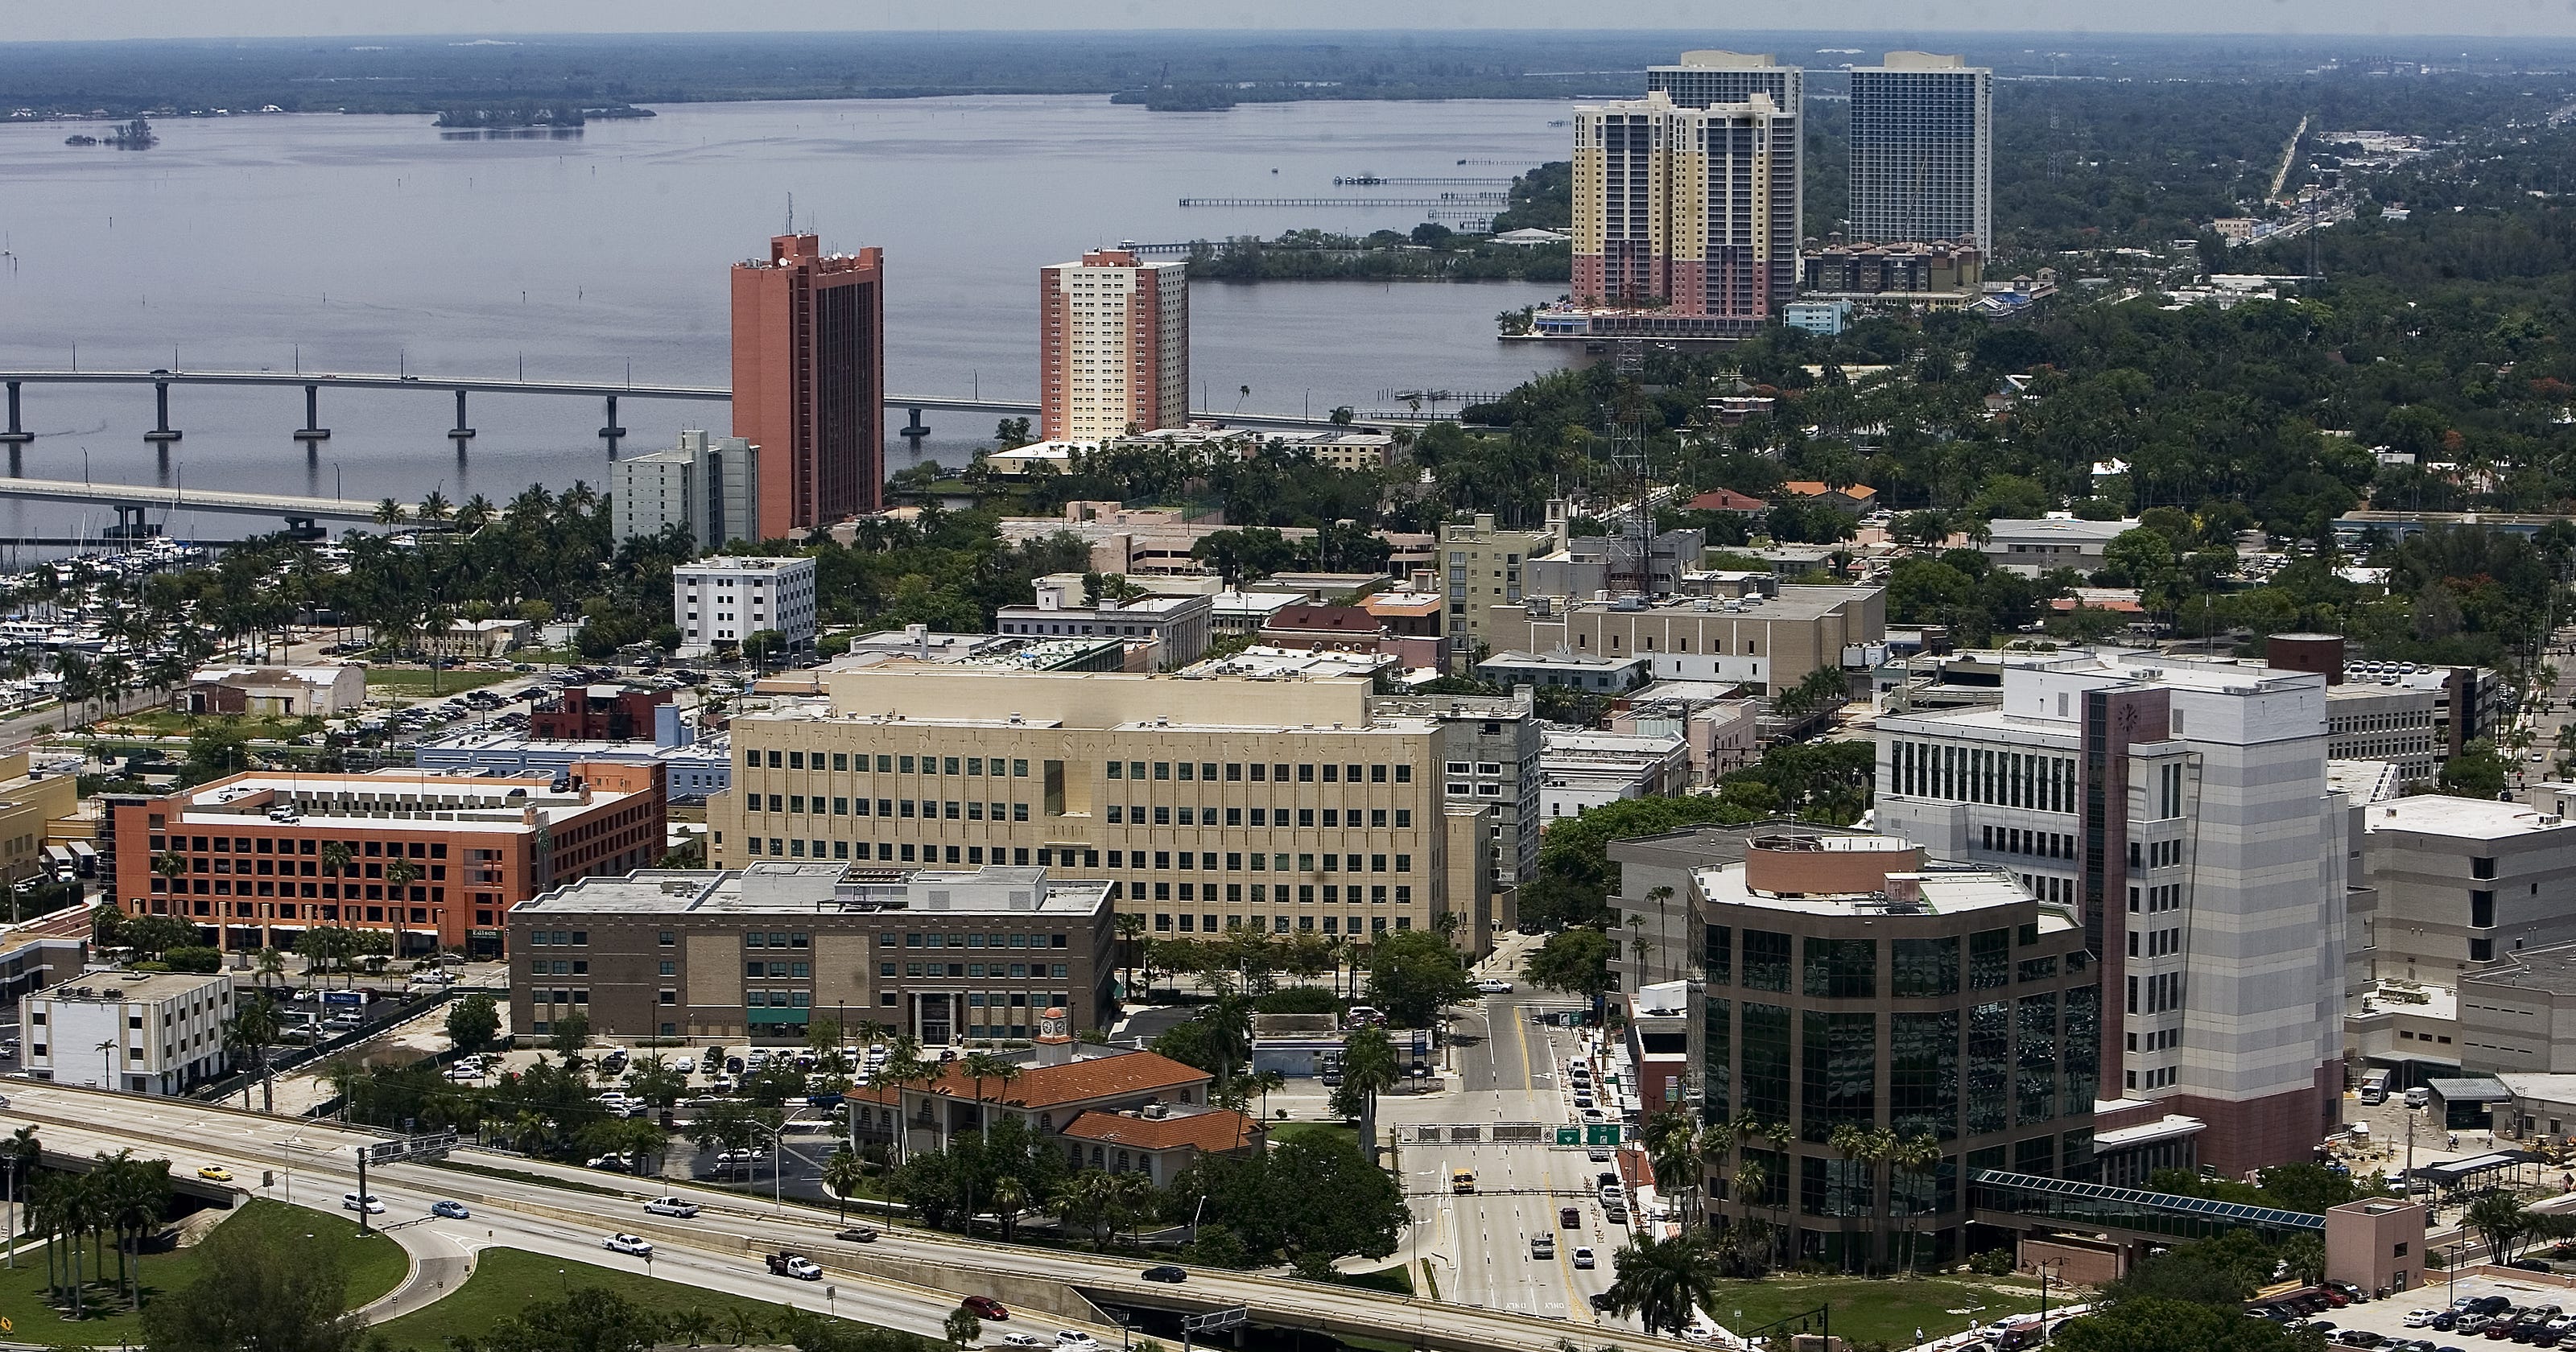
(985, 1307)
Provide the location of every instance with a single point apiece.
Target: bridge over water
(312, 433)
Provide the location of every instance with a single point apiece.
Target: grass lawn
(1871, 1310)
(1290, 1131)
(376, 1266)
(164, 723)
(414, 681)
(1395, 1281)
(505, 1280)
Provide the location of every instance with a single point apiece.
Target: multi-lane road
(910, 1279)
(1509, 1069)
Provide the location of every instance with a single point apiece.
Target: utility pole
(362, 1212)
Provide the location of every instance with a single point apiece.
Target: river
(326, 242)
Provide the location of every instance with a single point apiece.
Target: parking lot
(2387, 1318)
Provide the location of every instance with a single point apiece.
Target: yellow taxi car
(215, 1173)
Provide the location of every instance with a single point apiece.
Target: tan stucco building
(1211, 803)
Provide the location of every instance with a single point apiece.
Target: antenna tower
(1632, 557)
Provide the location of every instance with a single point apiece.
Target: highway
(722, 1244)
(190, 499)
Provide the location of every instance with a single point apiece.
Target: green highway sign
(1598, 1133)
(1569, 1135)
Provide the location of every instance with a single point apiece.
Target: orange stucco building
(435, 860)
(809, 380)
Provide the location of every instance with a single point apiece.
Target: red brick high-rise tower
(809, 380)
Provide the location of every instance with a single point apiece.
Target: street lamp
(2043, 1266)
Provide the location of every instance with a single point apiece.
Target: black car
(1602, 1303)
(2447, 1320)
(2530, 1265)
(2359, 1338)
(1165, 1273)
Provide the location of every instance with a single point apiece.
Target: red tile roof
(1218, 1130)
(1809, 488)
(1727, 500)
(1098, 1077)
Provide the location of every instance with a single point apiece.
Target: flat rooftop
(108, 987)
(395, 800)
(1944, 890)
(2466, 818)
(826, 889)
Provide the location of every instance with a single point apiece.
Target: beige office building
(1212, 803)
(1481, 569)
(1768, 641)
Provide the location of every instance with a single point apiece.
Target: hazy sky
(41, 20)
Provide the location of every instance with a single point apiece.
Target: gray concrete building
(1489, 747)
(944, 955)
(706, 485)
(2459, 883)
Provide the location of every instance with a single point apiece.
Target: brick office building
(759, 952)
(435, 861)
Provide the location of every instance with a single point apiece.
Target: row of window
(1974, 774)
(991, 767)
(1849, 968)
(1016, 971)
(363, 849)
(2015, 840)
(924, 809)
(1261, 773)
(1135, 815)
(1333, 924)
(1950, 1072)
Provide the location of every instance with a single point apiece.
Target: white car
(685, 1065)
(633, 1245)
(1583, 1258)
(1071, 1338)
(681, 1207)
(1024, 1340)
(1494, 986)
(370, 1204)
(2416, 1319)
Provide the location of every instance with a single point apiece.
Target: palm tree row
(120, 1200)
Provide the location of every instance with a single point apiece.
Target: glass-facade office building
(1922, 151)
(1850, 985)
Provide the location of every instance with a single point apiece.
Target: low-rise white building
(1580, 770)
(322, 690)
(1179, 624)
(727, 598)
(2033, 547)
(139, 1032)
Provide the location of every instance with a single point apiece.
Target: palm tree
(1868, 1146)
(1674, 1144)
(1751, 1182)
(979, 1067)
(1131, 1196)
(272, 965)
(904, 1065)
(472, 516)
(1131, 936)
(388, 511)
(1918, 1157)
(1263, 1083)
(21, 1155)
(844, 1173)
(2499, 1220)
(1010, 1198)
(435, 507)
(1085, 1199)
(1369, 1068)
(256, 1026)
(1663, 1281)
(693, 1323)
(744, 1325)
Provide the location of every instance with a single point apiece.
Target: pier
(1446, 199)
(1373, 181)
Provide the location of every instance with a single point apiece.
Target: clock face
(2128, 718)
